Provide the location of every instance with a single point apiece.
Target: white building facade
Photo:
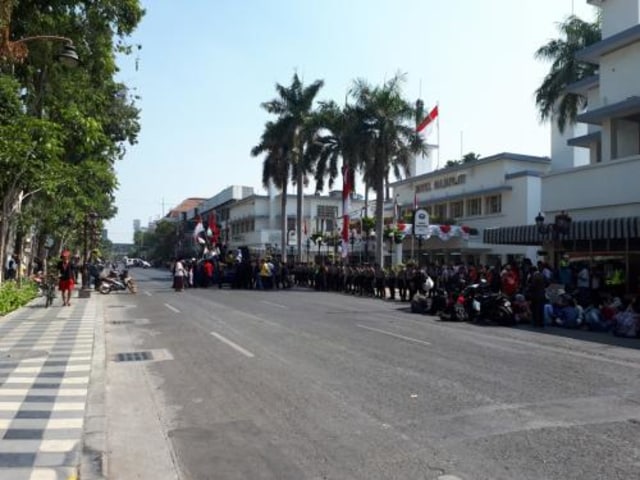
(490, 192)
(598, 185)
(252, 220)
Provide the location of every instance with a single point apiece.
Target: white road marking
(233, 345)
(147, 293)
(275, 304)
(384, 332)
(172, 308)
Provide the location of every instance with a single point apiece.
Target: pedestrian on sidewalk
(66, 276)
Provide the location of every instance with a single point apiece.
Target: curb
(93, 461)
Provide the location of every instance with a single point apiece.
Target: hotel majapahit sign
(421, 222)
(440, 183)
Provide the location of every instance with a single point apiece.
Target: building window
(440, 211)
(326, 218)
(456, 209)
(493, 204)
(474, 207)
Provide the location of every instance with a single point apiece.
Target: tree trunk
(379, 188)
(3, 245)
(283, 216)
(387, 192)
(300, 201)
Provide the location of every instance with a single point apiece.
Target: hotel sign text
(441, 183)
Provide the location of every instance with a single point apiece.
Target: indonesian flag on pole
(347, 187)
(433, 114)
(415, 200)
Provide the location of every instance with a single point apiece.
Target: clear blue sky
(205, 67)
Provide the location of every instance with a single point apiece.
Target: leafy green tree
(30, 151)
(391, 137)
(289, 142)
(86, 117)
(470, 157)
(343, 136)
(552, 97)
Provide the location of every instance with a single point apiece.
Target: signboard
(421, 222)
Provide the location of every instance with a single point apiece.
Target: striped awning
(600, 229)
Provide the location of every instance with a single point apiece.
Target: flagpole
(438, 139)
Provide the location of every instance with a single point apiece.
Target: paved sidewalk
(46, 359)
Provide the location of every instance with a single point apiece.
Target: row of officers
(362, 280)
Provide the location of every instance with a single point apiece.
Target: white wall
(619, 73)
(618, 15)
(609, 186)
(628, 138)
(564, 156)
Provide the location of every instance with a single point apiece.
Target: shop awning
(599, 229)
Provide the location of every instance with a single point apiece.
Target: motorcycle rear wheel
(104, 289)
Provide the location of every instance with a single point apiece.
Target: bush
(13, 296)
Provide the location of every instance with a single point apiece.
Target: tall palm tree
(294, 110)
(551, 96)
(342, 135)
(276, 166)
(390, 127)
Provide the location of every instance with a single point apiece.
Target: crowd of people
(570, 296)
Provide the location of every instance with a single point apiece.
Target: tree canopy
(61, 129)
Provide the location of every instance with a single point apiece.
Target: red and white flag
(415, 200)
(347, 188)
(428, 120)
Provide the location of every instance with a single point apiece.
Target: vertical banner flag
(415, 200)
(199, 228)
(347, 186)
(433, 114)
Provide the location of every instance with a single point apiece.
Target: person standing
(179, 273)
(65, 278)
(537, 294)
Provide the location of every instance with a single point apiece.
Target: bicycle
(49, 289)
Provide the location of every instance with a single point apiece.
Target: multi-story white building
(601, 192)
(252, 220)
(490, 192)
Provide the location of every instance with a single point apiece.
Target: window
(493, 204)
(474, 207)
(291, 224)
(326, 218)
(440, 211)
(457, 209)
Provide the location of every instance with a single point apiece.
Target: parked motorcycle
(485, 306)
(116, 281)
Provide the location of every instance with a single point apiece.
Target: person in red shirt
(66, 276)
(208, 273)
(509, 282)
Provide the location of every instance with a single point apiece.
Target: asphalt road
(304, 385)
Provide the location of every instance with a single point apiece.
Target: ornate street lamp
(560, 226)
(17, 51)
